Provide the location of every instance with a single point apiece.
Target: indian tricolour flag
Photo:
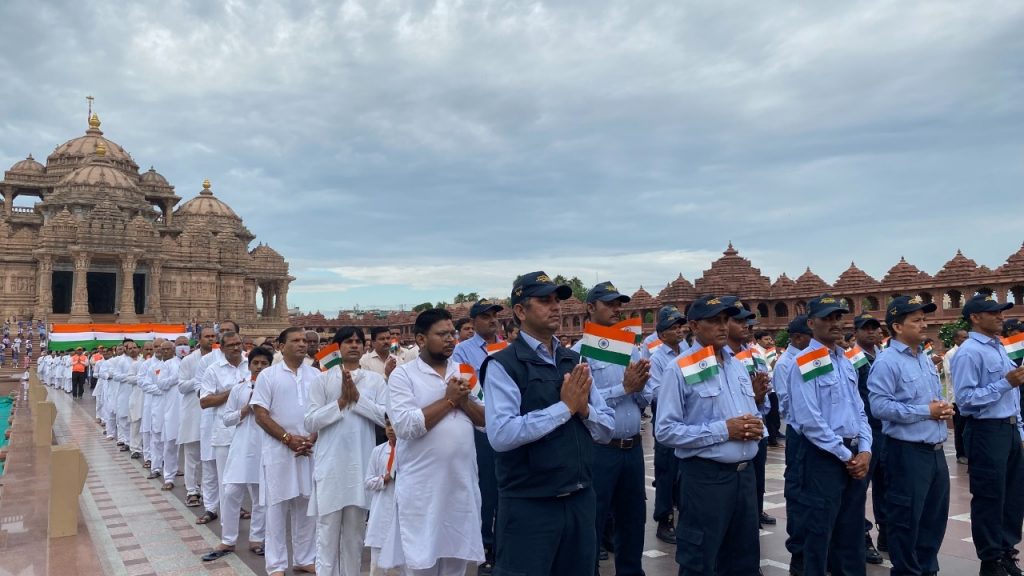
(1014, 346)
(634, 325)
(746, 357)
(467, 373)
(814, 363)
(857, 357)
(699, 365)
(771, 355)
(653, 344)
(760, 363)
(607, 344)
(88, 336)
(497, 347)
(329, 356)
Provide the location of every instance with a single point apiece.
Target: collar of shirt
(478, 341)
(540, 348)
(901, 347)
(987, 340)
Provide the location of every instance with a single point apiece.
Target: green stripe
(860, 363)
(332, 363)
(702, 375)
(604, 355)
(819, 371)
(1016, 354)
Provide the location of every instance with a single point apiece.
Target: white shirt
(382, 502)
(372, 361)
(243, 463)
(345, 438)
(947, 375)
(220, 377)
(170, 415)
(438, 492)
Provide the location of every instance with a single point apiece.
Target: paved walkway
(138, 530)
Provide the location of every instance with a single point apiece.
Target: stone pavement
(131, 527)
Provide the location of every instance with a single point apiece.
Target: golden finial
(206, 184)
(94, 121)
(101, 149)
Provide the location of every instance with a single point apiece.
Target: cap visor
(615, 296)
(830, 310)
(563, 292)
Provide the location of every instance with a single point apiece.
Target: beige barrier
(68, 470)
(43, 416)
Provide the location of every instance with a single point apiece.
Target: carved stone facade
(104, 243)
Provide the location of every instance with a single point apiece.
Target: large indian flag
(814, 363)
(699, 365)
(1014, 346)
(329, 356)
(88, 336)
(607, 344)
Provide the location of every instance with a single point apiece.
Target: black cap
(743, 313)
(1012, 325)
(537, 284)
(905, 305)
(824, 305)
(482, 306)
(605, 292)
(669, 316)
(798, 325)
(864, 320)
(708, 307)
(983, 303)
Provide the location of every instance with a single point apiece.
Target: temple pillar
(281, 302)
(265, 309)
(128, 263)
(80, 290)
(153, 296)
(168, 212)
(8, 200)
(44, 285)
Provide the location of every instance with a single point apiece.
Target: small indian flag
(857, 357)
(1014, 346)
(329, 356)
(746, 357)
(814, 363)
(607, 344)
(699, 365)
(634, 325)
(759, 361)
(653, 344)
(467, 373)
(497, 347)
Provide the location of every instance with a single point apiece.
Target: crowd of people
(522, 453)
(16, 342)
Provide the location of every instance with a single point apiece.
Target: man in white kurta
(286, 482)
(110, 391)
(127, 374)
(437, 493)
(152, 412)
(188, 429)
(345, 406)
(211, 481)
(66, 373)
(167, 382)
(226, 373)
(136, 406)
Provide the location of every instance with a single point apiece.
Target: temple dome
(79, 150)
(153, 178)
(99, 174)
(28, 166)
(206, 205)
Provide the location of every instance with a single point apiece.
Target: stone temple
(104, 243)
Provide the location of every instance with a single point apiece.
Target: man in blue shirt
(867, 334)
(707, 414)
(543, 416)
(619, 463)
(799, 338)
(834, 447)
(483, 316)
(666, 471)
(906, 396)
(986, 385)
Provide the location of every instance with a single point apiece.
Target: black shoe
(603, 555)
(485, 569)
(666, 533)
(992, 568)
(767, 520)
(796, 566)
(1010, 565)
(871, 555)
(883, 541)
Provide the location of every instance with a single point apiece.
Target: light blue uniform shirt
(691, 417)
(829, 408)
(783, 365)
(472, 352)
(608, 383)
(507, 429)
(664, 358)
(901, 384)
(979, 371)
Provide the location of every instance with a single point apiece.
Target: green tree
(579, 290)
(949, 329)
(441, 304)
(421, 307)
(472, 297)
(782, 338)
(459, 298)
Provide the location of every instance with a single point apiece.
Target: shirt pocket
(828, 388)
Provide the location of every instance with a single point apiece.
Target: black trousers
(878, 480)
(488, 489)
(619, 486)
(77, 384)
(760, 462)
(547, 536)
(717, 532)
(773, 420)
(918, 506)
(666, 482)
(791, 491)
(958, 432)
(996, 471)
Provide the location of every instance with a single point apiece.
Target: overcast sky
(396, 152)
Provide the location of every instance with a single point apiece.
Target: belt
(851, 444)
(731, 466)
(1011, 420)
(624, 443)
(924, 445)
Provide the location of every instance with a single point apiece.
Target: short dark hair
(377, 330)
(125, 341)
(233, 323)
(283, 336)
(461, 322)
(428, 318)
(761, 334)
(897, 319)
(261, 351)
(346, 332)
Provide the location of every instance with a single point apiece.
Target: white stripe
(608, 345)
(70, 336)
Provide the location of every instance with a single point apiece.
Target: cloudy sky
(399, 151)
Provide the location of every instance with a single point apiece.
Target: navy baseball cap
(798, 325)
(484, 305)
(708, 307)
(605, 292)
(743, 313)
(906, 305)
(1012, 325)
(669, 316)
(983, 303)
(824, 305)
(537, 284)
(864, 320)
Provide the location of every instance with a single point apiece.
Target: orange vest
(78, 362)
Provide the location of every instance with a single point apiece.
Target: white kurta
(382, 497)
(188, 386)
(243, 463)
(127, 373)
(220, 377)
(137, 397)
(167, 382)
(345, 438)
(207, 417)
(438, 492)
(285, 395)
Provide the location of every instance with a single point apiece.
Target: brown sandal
(207, 517)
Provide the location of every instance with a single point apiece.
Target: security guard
(666, 471)
(619, 463)
(543, 415)
(906, 396)
(867, 333)
(834, 448)
(473, 351)
(799, 338)
(986, 385)
(706, 412)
